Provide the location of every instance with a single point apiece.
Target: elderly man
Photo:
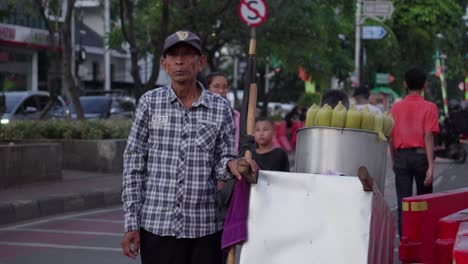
(180, 144)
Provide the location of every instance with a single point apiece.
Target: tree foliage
(315, 34)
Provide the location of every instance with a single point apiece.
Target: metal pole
(357, 51)
(72, 55)
(234, 81)
(267, 78)
(107, 77)
(236, 73)
(34, 73)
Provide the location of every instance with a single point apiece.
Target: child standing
(267, 157)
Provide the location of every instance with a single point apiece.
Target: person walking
(411, 140)
(361, 95)
(180, 144)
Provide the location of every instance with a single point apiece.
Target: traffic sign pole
(357, 46)
(372, 9)
(253, 13)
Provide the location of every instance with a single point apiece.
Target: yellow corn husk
(387, 124)
(311, 114)
(378, 126)
(367, 121)
(353, 118)
(378, 123)
(339, 116)
(324, 116)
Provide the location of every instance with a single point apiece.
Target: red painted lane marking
(9, 252)
(59, 246)
(117, 215)
(81, 226)
(62, 231)
(34, 237)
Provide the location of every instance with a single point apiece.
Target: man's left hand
(243, 167)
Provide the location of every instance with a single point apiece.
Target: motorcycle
(449, 140)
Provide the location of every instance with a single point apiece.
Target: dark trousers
(409, 164)
(169, 250)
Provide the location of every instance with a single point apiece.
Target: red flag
(391, 78)
(303, 74)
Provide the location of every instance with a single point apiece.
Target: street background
(93, 236)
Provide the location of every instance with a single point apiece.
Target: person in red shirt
(412, 139)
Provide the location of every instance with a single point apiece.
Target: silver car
(28, 105)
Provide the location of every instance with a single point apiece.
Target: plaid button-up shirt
(174, 157)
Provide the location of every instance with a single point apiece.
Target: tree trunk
(53, 76)
(127, 14)
(67, 60)
(158, 46)
(53, 79)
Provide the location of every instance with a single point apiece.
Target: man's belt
(414, 150)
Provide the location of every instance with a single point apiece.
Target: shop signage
(24, 35)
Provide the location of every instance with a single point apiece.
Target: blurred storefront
(23, 39)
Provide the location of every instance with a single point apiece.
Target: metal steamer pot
(324, 149)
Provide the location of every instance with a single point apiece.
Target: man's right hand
(429, 175)
(131, 244)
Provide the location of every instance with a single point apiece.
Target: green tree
(145, 25)
(421, 28)
(60, 61)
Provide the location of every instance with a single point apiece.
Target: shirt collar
(202, 100)
(414, 97)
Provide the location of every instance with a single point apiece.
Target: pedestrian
(180, 144)
(361, 95)
(333, 97)
(411, 140)
(266, 156)
(217, 83)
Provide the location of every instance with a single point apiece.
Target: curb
(21, 210)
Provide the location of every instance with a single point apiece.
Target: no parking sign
(253, 12)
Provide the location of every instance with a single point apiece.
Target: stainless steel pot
(323, 149)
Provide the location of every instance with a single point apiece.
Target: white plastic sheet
(299, 218)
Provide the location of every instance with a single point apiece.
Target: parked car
(122, 107)
(94, 107)
(28, 105)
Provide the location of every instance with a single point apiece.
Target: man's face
(182, 63)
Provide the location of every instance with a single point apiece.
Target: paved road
(93, 236)
(88, 237)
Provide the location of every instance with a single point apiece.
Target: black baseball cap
(182, 36)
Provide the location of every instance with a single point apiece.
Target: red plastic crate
(444, 251)
(420, 218)
(447, 229)
(463, 229)
(460, 250)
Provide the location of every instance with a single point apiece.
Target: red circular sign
(253, 12)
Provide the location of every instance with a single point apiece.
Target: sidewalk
(78, 190)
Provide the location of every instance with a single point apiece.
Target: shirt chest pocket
(206, 135)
